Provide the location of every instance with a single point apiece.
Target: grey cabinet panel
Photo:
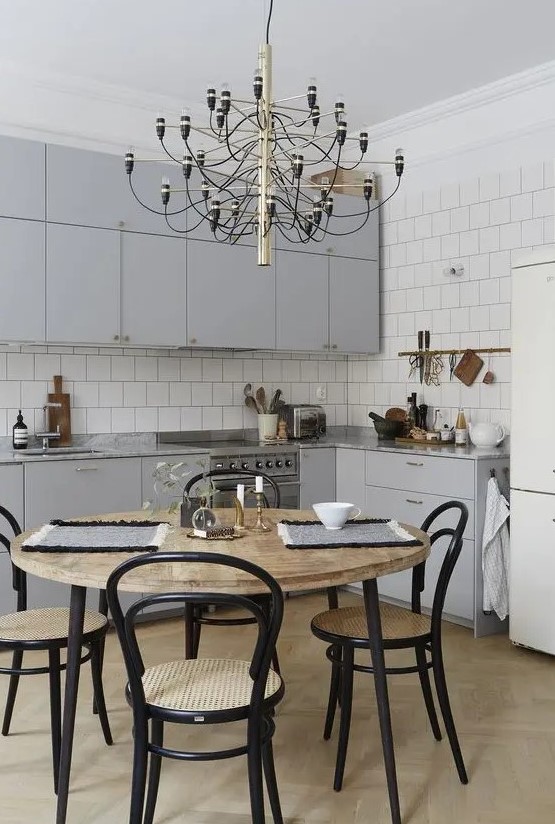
(11, 492)
(22, 263)
(317, 468)
(349, 477)
(350, 215)
(153, 290)
(82, 284)
(424, 473)
(85, 188)
(7, 594)
(302, 302)
(230, 300)
(354, 305)
(68, 489)
(411, 507)
(147, 180)
(21, 178)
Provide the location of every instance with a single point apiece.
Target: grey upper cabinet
(354, 305)
(21, 178)
(82, 285)
(22, 263)
(92, 189)
(302, 302)
(85, 188)
(230, 300)
(153, 290)
(350, 215)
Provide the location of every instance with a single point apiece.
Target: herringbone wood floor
(504, 705)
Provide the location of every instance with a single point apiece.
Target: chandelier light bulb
(185, 124)
(399, 162)
(201, 158)
(325, 185)
(339, 107)
(129, 160)
(165, 190)
(211, 98)
(297, 165)
(328, 205)
(368, 188)
(214, 213)
(317, 211)
(257, 84)
(220, 117)
(235, 208)
(187, 166)
(160, 127)
(341, 132)
(225, 98)
(311, 92)
(363, 142)
(205, 188)
(315, 115)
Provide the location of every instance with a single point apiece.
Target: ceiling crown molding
(458, 104)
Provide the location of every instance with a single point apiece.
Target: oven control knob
(269, 464)
(259, 465)
(288, 463)
(233, 465)
(279, 464)
(244, 465)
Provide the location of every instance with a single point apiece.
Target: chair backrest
(454, 536)
(9, 525)
(238, 474)
(267, 611)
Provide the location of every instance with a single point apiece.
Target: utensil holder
(267, 427)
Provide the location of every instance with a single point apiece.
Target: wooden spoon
(251, 403)
(260, 396)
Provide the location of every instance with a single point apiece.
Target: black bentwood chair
(202, 690)
(346, 630)
(195, 617)
(46, 629)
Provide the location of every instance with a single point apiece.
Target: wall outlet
(321, 392)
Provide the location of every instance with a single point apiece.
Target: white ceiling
(388, 57)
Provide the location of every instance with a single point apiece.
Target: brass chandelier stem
(265, 138)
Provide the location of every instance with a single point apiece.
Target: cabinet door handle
(192, 340)
(413, 501)
(86, 468)
(126, 337)
(326, 346)
(116, 337)
(334, 346)
(414, 463)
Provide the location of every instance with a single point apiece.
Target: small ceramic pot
(267, 427)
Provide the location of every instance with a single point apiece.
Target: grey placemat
(97, 536)
(365, 532)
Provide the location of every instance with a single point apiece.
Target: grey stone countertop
(364, 438)
(100, 446)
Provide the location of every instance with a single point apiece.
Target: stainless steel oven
(279, 462)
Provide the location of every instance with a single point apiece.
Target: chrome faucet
(49, 436)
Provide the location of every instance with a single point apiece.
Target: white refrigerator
(532, 567)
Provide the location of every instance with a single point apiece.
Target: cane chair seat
(350, 622)
(48, 624)
(203, 684)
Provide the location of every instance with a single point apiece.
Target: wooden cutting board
(59, 416)
(468, 367)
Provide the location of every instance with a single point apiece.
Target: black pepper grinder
(423, 416)
(20, 433)
(415, 411)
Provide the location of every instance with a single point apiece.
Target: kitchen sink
(59, 450)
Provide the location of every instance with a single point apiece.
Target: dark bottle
(20, 436)
(423, 414)
(411, 420)
(415, 411)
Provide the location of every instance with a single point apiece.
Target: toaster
(303, 420)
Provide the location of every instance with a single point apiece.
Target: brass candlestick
(239, 525)
(259, 526)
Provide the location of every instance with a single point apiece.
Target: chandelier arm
(169, 154)
(395, 190)
(149, 208)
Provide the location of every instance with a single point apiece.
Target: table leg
(372, 606)
(75, 641)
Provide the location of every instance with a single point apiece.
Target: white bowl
(333, 514)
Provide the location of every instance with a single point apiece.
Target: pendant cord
(268, 23)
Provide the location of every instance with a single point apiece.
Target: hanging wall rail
(428, 352)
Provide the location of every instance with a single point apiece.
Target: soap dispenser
(20, 436)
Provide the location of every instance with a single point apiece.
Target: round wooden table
(293, 569)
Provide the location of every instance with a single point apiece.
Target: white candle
(241, 494)
(259, 486)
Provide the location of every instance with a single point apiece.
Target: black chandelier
(267, 167)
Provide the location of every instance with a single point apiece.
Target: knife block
(59, 415)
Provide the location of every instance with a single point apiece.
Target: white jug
(486, 435)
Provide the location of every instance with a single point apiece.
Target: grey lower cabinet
(230, 299)
(22, 261)
(407, 488)
(153, 290)
(82, 284)
(22, 178)
(317, 474)
(72, 488)
(350, 468)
